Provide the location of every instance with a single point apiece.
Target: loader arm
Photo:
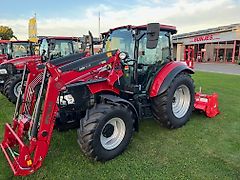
(35, 78)
(26, 156)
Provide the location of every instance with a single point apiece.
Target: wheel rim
(113, 133)
(181, 101)
(17, 89)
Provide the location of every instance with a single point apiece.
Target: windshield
(160, 54)
(121, 39)
(20, 49)
(76, 47)
(3, 48)
(62, 48)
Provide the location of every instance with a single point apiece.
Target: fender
(165, 76)
(117, 99)
(19, 63)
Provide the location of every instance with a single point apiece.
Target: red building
(221, 44)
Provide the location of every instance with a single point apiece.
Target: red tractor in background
(12, 70)
(104, 96)
(3, 50)
(11, 50)
(14, 49)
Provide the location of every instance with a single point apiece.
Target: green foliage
(6, 32)
(203, 149)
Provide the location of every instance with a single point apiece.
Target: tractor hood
(88, 62)
(19, 63)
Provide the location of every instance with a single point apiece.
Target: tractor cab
(144, 50)
(16, 49)
(56, 47)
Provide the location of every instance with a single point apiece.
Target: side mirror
(153, 30)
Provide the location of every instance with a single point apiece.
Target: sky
(75, 17)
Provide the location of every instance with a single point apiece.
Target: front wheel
(174, 107)
(12, 88)
(105, 131)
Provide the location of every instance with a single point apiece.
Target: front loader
(106, 94)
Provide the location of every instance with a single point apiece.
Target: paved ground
(219, 68)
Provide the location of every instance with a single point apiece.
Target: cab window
(3, 48)
(20, 50)
(159, 54)
(62, 48)
(121, 39)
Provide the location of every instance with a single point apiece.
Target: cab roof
(20, 41)
(4, 41)
(13, 41)
(170, 28)
(59, 37)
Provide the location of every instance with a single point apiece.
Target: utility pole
(99, 22)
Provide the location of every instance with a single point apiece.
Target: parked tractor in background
(14, 49)
(104, 95)
(3, 50)
(11, 71)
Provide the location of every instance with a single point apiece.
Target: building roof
(219, 29)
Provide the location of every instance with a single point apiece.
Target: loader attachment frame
(25, 158)
(26, 141)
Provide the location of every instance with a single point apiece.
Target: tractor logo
(49, 111)
(109, 54)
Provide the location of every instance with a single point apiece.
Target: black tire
(10, 87)
(1, 89)
(162, 107)
(92, 125)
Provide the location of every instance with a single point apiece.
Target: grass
(203, 149)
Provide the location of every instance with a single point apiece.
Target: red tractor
(14, 49)
(3, 50)
(11, 70)
(11, 50)
(104, 96)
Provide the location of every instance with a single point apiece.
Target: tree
(6, 32)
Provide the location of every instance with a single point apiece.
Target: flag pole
(99, 22)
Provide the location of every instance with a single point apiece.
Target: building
(221, 44)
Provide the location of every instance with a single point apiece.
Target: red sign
(208, 37)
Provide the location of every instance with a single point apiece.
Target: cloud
(187, 15)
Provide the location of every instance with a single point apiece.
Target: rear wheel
(105, 131)
(174, 107)
(12, 88)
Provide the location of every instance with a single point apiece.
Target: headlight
(65, 100)
(3, 71)
(123, 55)
(7, 69)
